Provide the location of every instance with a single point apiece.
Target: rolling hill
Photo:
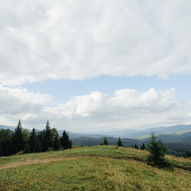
(92, 168)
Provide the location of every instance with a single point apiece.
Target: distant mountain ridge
(126, 133)
(177, 138)
(171, 132)
(6, 127)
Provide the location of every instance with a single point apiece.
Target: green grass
(91, 168)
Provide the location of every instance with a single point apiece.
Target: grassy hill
(91, 168)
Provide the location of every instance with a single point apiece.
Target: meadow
(92, 168)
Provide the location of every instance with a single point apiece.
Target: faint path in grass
(36, 161)
(65, 158)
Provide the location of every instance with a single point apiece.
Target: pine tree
(47, 140)
(38, 146)
(105, 141)
(18, 139)
(143, 147)
(6, 137)
(1, 150)
(32, 140)
(56, 144)
(65, 142)
(119, 142)
(27, 149)
(188, 154)
(157, 154)
(70, 144)
(135, 146)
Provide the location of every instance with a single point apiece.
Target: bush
(157, 154)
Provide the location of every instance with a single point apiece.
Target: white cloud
(16, 103)
(125, 101)
(42, 40)
(127, 108)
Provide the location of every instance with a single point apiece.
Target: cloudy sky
(92, 66)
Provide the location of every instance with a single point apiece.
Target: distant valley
(176, 138)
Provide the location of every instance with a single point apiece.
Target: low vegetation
(92, 168)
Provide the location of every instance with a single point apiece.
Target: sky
(94, 66)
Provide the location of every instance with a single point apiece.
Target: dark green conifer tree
(65, 142)
(18, 143)
(188, 154)
(48, 138)
(135, 146)
(70, 144)
(143, 147)
(32, 140)
(1, 150)
(6, 136)
(157, 154)
(105, 141)
(27, 149)
(56, 144)
(119, 142)
(38, 146)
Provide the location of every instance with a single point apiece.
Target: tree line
(120, 144)
(21, 140)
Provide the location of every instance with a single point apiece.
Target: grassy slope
(91, 168)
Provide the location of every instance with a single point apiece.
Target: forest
(23, 141)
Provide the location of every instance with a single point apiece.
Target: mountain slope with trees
(24, 141)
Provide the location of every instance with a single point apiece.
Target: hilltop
(91, 168)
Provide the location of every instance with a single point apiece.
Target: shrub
(157, 154)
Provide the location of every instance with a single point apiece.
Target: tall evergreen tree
(18, 139)
(32, 140)
(70, 144)
(119, 142)
(143, 147)
(6, 136)
(48, 138)
(135, 146)
(27, 149)
(26, 135)
(105, 141)
(40, 137)
(38, 146)
(54, 133)
(1, 150)
(56, 144)
(65, 142)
